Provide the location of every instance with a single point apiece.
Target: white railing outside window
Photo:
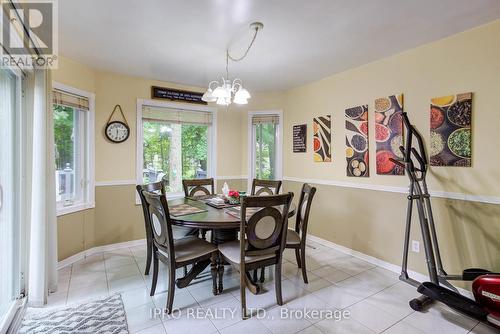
(74, 148)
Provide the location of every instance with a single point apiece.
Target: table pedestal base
(221, 236)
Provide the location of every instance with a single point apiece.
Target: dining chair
(175, 253)
(198, 187)
(262, 240)
(178, 231)
(265, 187)
(296, 238)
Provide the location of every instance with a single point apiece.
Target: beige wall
(467, 62)
(364, 220)
(116, 217)
(372, 222)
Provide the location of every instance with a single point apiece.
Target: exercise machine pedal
(472, 273)
(453, 300)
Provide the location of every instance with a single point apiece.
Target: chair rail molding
(115, 183)
(487, 199)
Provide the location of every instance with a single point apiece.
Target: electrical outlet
(415, 246)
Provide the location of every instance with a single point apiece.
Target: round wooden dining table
(224, 227)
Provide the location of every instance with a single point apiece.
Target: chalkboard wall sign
(176, 95)
(299, 138)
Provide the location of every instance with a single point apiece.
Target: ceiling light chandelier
(225, 92)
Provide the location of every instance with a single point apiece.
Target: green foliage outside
(194, 149)
(265, 151)
(157, 148)
(64, 118)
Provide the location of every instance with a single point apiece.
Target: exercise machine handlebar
(419, 154)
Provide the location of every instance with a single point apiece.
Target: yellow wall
(116, 217)
(372, 222)
(467, 62)
(115, 161)
(365, 220)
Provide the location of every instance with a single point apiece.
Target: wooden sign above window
(176, 95)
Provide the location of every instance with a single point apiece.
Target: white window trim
(212, 138)
(89, 193)
(279, 145)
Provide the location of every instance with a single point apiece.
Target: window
(265, 145)
(176, 144)
(74, 147)
(10, 183)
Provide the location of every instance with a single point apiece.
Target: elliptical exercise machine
(486, 285)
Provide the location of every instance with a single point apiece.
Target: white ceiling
(184, 41)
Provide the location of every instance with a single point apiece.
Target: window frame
(87, 146)
(18, 244)
(251, 145)
(211, 140)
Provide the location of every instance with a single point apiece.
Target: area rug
(103, 316)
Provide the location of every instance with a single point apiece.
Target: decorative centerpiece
(233, 197)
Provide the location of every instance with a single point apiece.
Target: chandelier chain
(229, 91)
(237, 59)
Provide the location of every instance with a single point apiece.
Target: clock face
(117, 132)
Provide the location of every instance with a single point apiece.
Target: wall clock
(117, 131)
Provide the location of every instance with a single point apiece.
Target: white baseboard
(378, 262)
(368, 258)
(99, 249)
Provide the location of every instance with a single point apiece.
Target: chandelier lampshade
(225, 91)
(208, 96)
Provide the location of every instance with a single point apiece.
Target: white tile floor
(376, 301)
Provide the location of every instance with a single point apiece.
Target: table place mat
(184, 209)
(220, 206)
(236, 211)
(202, 198)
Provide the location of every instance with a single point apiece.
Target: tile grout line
(105, 271)
(400, 321)
(69, 284)
(137, 265)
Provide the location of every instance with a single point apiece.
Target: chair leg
(213, 271)
(220, 272)
(254, 277)
(185, 270)
(262, 272)
(171, 289)
(303, 263)
(149, 257)
(204, 234)
(277, 283)
(297, 257)
(155, 273)
(243, 296)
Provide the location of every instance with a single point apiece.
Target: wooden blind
(176, 116)
(260, 119)
(69, 100)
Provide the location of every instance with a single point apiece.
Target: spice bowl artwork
(356, 126)
(450, 136)
(389, 134)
